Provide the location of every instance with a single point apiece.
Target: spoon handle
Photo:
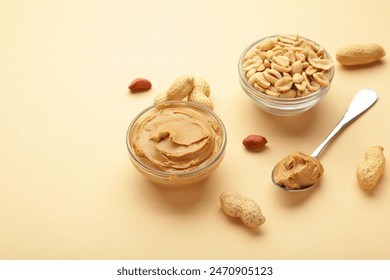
(362, 101)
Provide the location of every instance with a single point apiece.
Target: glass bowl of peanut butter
(176, 143)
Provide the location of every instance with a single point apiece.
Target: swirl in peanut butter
(173, 138)
(298, 170)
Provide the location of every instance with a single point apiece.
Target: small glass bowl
(176, 178)
(278, 105)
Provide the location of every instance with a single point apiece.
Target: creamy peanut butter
(176, 138)
(298, 170)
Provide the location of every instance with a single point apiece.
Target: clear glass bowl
(278, 105)
(177, 178)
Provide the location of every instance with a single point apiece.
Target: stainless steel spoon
(362, 101)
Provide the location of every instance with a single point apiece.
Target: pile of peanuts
(287, 66)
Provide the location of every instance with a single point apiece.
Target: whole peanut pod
(200, 93)
(179, 89)
(371, 170)
(357, 54)
(235, 205)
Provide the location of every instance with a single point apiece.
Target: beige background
(67, 187)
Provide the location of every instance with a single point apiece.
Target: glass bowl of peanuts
(176, 143)
(285, 74)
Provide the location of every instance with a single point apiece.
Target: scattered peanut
(287, 64)
(371, 170)
(140, 84)
(235, 205)
(252, 142)
(195, 90)
(200, 93)
(357, 54)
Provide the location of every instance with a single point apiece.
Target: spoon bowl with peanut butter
(298, 171)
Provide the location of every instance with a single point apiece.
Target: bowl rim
(169, 174)
(295, 100)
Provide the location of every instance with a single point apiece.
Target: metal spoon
(362, 101)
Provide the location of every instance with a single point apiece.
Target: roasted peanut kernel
(252, 79)
(320, 78)
(272, 91)
(310, 70)
(292, 93)
(321, 63)
(296, 67)
(259, 88)
(282, 60)
(254, 142)
(279, 68)
(297, 78)
(272, 75)
(250, 73)
(311, 55)
(266, 44)
(284, 84)
(261, 81)
(300, 86)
